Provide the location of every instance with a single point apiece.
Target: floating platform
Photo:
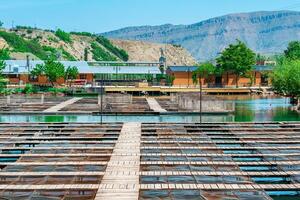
(149, 161)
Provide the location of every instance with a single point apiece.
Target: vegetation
(67, 55)
(120, 53)
(100, 54)
(83, 34)
(286, 79)
(64, 36)
(71, 73)
(4, 54)
(1, 24)
(86, 53)
(260, 58)
(51, 69)
(203, 71)
(293, 51)
(170, 80)
(21, 45)
(237, 59)
(28, 89)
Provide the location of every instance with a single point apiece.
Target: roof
(193, 68)
(182, 68)
(19, 67)
(263, 68)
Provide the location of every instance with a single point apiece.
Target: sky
(99, 16)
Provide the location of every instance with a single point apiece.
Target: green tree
(286, 79)
(293, 50)
(237, 59)
(1, 24)
(203, 71)
(64, 36)
(71, 73)
(86, 54)
(51, 69)
(4, 54)
(260, 58)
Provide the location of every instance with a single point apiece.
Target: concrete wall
(192, 102)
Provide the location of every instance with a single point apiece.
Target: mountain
(40, 44)
(266, 32)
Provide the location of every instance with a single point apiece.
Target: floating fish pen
(29, 103)
(112, 103)
(149, 161)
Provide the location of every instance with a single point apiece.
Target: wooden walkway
(154, 105)
(140, 161)
(62, 105)
(121, 178)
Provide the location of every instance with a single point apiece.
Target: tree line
(239, 60)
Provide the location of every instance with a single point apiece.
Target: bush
(83, 34)
(28, 89)
(100, 54)
(56, 91)
(4, 54)
(21, 45)
(120, 53)
(6, 91)
(67, 55)
(64, 36)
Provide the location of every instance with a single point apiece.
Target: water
(248, 109)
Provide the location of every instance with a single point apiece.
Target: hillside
(42, 44)
(139, 50)
(264, 32)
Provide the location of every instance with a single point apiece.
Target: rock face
(146, 51)
(264, 32)
(137, 50)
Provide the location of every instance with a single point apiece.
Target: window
(13, 76)
(82, 76)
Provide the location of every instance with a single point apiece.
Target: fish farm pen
(150, 161)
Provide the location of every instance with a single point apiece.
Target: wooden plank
(121, 178)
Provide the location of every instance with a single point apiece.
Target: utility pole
(101, 93)
(200, 99)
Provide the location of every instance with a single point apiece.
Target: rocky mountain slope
(41, 44)
(264, 32)
(139, 50)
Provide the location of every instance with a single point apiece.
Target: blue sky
(105, 15)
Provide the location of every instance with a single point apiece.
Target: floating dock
(149, 160)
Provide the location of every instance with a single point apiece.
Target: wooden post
(8, 99)
(42, 98)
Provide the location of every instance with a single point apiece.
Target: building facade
(183, 77)
(18, 72)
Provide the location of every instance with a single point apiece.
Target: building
(183, 77)
(18, 72)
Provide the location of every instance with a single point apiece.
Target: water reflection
(248, 109)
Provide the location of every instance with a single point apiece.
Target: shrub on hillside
(100, 54)
(64, 36)
(83, 34)
(120, 53)
(21, 45)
